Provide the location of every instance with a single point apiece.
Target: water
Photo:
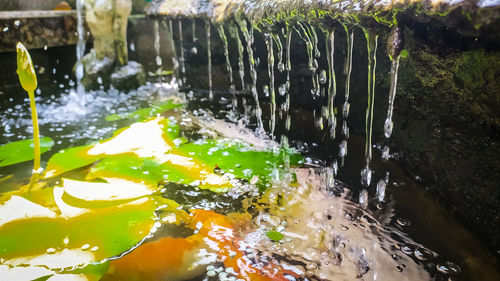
(232, 87)
(209, 58)
(248, 34)
(270, 71)
(79, 98)
(182, 60)
(351, 231)
(371, 43)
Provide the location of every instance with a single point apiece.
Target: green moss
(471, 76)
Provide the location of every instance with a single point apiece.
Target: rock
(129, 76)
(107, 20)
(96, 70)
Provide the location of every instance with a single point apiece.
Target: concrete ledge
(37, 29)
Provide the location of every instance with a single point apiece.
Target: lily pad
(274, 235)
(21, 151)
(145, 113)
(69, 159)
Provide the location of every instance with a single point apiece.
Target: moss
(473, 77)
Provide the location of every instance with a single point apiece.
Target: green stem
(36, 139)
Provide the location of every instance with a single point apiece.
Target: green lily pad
(238, 158)
(107, 231)
(21, 151)
(69, 159)
(274, 235)
(145, 113)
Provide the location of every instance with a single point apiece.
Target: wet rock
(129, 76)
(96, 70)
(107, 21)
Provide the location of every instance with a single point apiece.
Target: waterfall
(181, 61)
(233, 31)
(346, 106)
(80, 51)
(156, 32)
(248, 34)
(371, 39)
(332, 85)
(288, 68)
(209, 56)
(270, 69)
(175, 61)
(222, 34)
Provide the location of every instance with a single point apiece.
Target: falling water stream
(366, 173)
(232, 87)
(209, 59)
(182, 59)
(80, 51)
(248, 34)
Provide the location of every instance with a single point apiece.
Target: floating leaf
(145, 113)
(145, 139)
(21, 151)
(237, 158)
(274, 235)
(108, 231)
(69, 159)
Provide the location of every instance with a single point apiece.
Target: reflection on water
(302, 224)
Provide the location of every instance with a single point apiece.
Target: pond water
(247, 209)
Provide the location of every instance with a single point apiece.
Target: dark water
(419, 238)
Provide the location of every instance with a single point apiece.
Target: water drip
(181, 49)
(209, 55)
(371, 39)
(233, 31)
(270, 69)
(175, 61)
(288, 67)
(248, 34)
(332, 85)
(347, 72)
(194, 50)
(222, 34)
(311, 40)
(156, 32)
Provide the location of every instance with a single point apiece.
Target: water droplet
(17, 23)
(399, 268)
(282, 89)
(366, 177)
(281, 67)
(385, 153)
(345, 109)
(448, 268)
(85, 247)
(345, 129)
(51, 251)
(381, 190)
(266, 91)
(407, 249)
(5, 29)
(363, 198)
(388, 125)
(423, 254)
(158, 60)
(403, 222)
(343, 149)
(93, 249)
(322, 77)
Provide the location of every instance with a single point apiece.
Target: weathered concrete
(37, 29)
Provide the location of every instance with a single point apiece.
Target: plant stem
(36, 139)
